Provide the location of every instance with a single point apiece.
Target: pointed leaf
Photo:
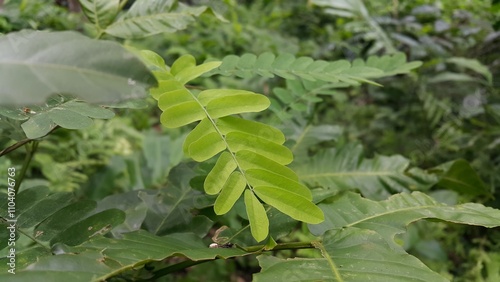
(219, 174)
(182, 114)
(241, 141)
(259, 223)
(203, 128)
(206, 147)
(248, 160)
(183, 62)
(231, 123)
(260, 177)
(190, 73)
(231, 192)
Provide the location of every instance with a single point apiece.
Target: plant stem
(251, 250)
(29, 156)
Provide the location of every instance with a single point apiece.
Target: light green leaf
(294, 205)
(236, 104)
(183, 62)
(206, 147)
(169, 97)
(248, 160)
(190, 73)
(202, 129)
(259, 223)
(219, 175)
(261, 177)
(241, 141)
(231, 123)
(231, 192)
(39, 64)
(182, 114)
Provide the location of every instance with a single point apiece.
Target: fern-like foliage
(252, 158)
(289, 67)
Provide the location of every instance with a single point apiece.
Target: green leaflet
(230, 123)
(253, 155)
(259, 223)
(261, 177)
(248, 160)
(219, 174)
(206, 147)
(242, 141)
(232, 190)
(294, 205)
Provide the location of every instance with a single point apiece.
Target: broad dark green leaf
(62, 219)
(349, 255)
(460, 176)
(390, 217)
(102, 258)
(37, 64)
(94, 225)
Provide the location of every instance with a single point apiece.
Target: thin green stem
(27, 160)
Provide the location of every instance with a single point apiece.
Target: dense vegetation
(316, 140)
